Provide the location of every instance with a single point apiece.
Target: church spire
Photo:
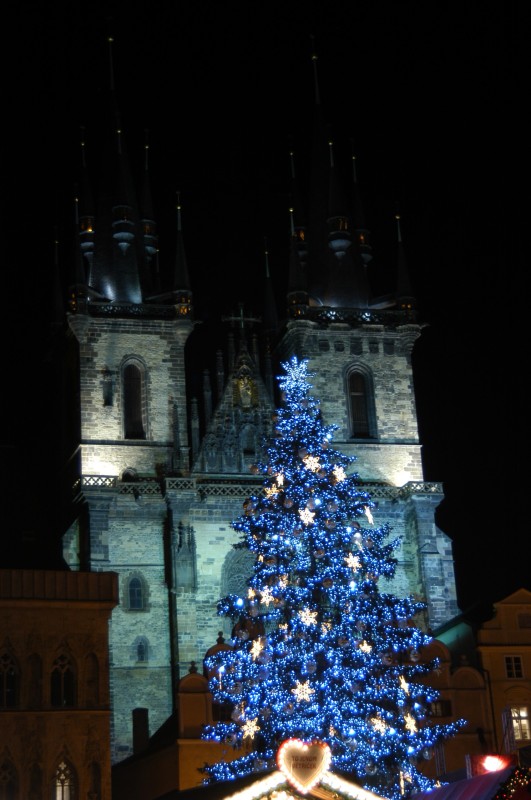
(360, 232)
(148, 226)
(270, 310)
(181, 281)
(114, 273)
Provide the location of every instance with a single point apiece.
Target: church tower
(360, 351)
(163, 467)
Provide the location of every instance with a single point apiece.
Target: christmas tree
(318, 652)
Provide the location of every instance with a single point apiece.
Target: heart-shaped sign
(303, 763)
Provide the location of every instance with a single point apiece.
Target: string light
(325, 657)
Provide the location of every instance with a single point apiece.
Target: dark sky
(428, 95)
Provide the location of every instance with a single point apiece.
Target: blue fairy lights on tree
(318, 652)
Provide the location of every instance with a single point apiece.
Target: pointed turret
(270, 309)
(149, 230)
(114, 274)
(85, 214)
(360, 231)
(339, 236)
(181, 281)
(404, 294)
(297, 295)
(336, 274)
(298, 222)
(77, 290)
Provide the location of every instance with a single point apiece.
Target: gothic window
(135, 593)
(513, 667)
(8, 781)
(92, 680)
(9, 681)
(134, 401)
(64, 783)
(63, 683)
(361, 405)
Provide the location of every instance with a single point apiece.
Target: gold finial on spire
(110, 41)
(146, 150)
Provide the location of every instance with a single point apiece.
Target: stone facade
(54, 646)
(170, 535)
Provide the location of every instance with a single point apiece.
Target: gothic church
(162, 470)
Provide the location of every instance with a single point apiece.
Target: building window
(8, 781)
(361, 405)
(9, 681)
(441, 708)
(64, 785)
(520, 719)
(133, 402)
(63, 683)
(136, 594)
(142, 651)
(513, 667)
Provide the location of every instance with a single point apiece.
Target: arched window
(8, 780)
(64, 782)
(133, 402)
(9, 681)
(136, 594)
(362, 417)
(63, 683)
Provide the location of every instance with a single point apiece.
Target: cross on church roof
(241, 318)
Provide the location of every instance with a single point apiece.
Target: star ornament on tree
(250, 728)
(308, 617)
(411, 725)
(379, 724)
(303, 691)
(312, 463)
(256, 648)
(266, 596)
(339, 474)
(353, 562)
(307, 516)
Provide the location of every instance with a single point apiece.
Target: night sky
(424, 95)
